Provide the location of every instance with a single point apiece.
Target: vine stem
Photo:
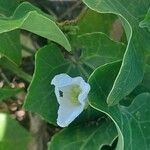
(5, 64)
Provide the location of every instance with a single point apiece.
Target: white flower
(71, 94)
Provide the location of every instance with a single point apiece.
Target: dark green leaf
(92, 21)
(132, 68)
(146, 80)
(97, 49)
(7, 7)
(10, 46)
(85, 137)
(133, 122)
(40, 97)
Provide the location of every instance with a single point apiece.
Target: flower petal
(65, 91)
(61, 80)
(85, 88)
(67, 112)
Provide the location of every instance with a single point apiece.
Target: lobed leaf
(40, 97)
(132, 122)
(132, 68)
(84, 137)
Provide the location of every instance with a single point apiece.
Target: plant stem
(4, 77)
(28, 50)
(6, 64)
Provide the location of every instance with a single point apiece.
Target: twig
(15, 69)
(4, 77)
(70, 10)
(28, 50)
(76, 20)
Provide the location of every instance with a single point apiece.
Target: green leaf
(133, 122)
(7, 7)
(8, 92)
(8, 65)
(40, 97)
(50, 62)
(10, 46)
(84, 137)
(146, 80)
(12, 135)
(146, 21)
(92, 21)
(30, 18)
(97, 49)
(132, 68)
(144, 86)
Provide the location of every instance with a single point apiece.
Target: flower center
(74, 93)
